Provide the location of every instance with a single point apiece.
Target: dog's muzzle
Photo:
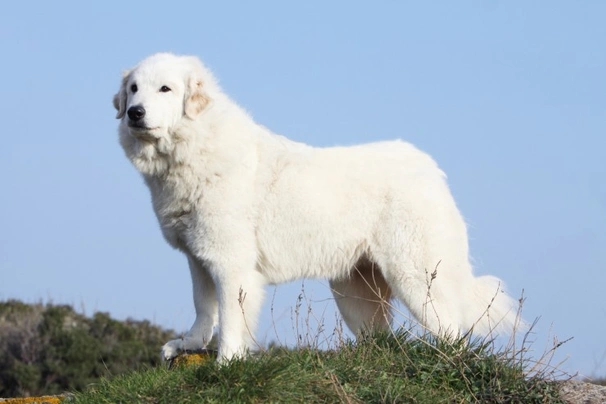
(136, 114)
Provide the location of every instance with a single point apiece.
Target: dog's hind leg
(363, 298)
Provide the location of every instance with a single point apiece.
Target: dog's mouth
(142, 132)
(138, 126)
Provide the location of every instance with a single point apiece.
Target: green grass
(383, 368)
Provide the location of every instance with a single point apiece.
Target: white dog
(250, 208)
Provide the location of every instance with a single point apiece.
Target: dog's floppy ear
(195, 98)
(120, 97)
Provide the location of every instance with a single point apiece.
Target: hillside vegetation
(50, 349)
(384, 368)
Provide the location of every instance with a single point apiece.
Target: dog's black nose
(136, 113)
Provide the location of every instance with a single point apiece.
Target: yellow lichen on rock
(192, 359)
(34, 400)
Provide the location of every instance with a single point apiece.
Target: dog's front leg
(206, 304)
(240, 291)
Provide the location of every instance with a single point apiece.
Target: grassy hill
(384, 368)
(51, 349)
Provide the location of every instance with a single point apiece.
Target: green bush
(49, 349)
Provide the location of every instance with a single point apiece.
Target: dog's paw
(171, 349)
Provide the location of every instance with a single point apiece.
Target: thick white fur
(251, 208)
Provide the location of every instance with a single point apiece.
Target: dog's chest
(177, 227)
(175, 208)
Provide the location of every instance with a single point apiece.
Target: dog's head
(160, 92)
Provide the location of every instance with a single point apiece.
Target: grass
(381, 368)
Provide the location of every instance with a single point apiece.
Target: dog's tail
(488, 309)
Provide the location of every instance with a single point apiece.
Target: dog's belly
(285, 256)
(287, 270)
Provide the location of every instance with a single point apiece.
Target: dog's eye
(133, 88)
(164, 89)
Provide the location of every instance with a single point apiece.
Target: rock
(36, 400)
(575, 392)
(192, 358)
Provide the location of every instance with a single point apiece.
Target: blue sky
(508, 96)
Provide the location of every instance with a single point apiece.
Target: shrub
(48, 349)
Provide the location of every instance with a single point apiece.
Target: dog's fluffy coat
(249, 208)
